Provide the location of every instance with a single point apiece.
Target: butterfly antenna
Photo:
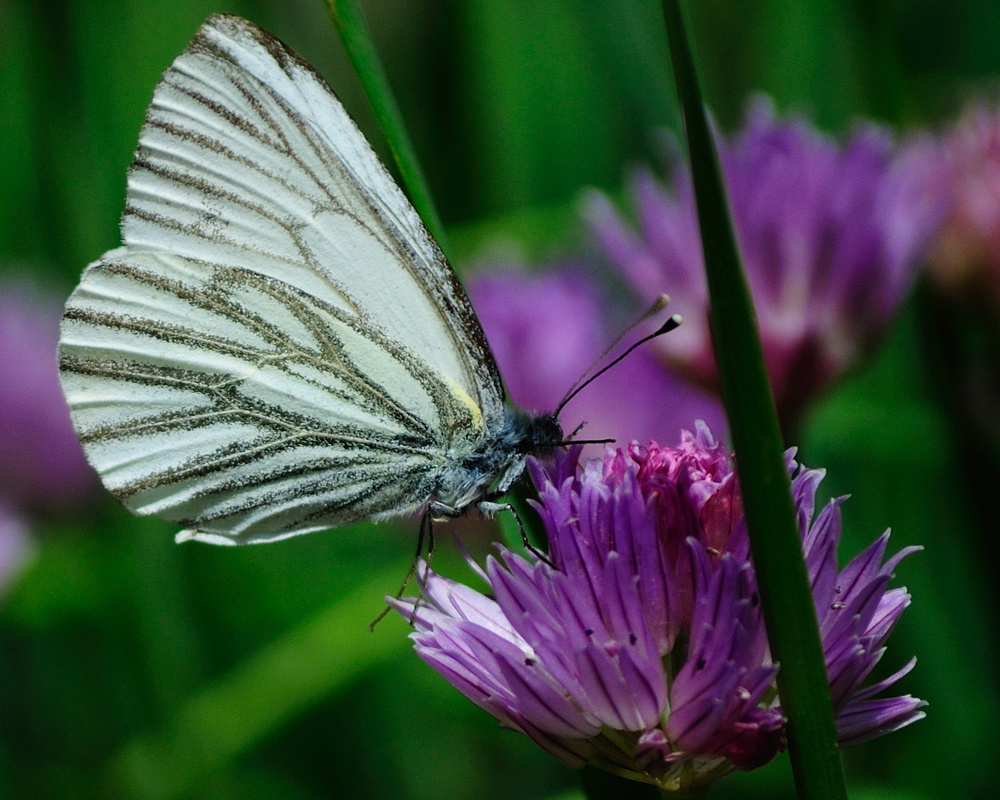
(659, 304)
(584, 381)
(572, 440)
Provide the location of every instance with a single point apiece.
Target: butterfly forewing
(279, 346)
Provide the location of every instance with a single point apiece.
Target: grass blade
(353, 31)
(786, 596)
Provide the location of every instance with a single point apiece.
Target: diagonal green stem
(786, 597)
(350, 24)
(213, 728)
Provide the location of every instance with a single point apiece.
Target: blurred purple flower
(965, 260)
(831, 237)
(641, 648)
(15, 544)
(546, 328)
(42, 466)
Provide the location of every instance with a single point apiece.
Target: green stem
(353, 31)
(786, 597)
(224, 720)
(350, 24)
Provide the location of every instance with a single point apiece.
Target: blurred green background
(131, 667)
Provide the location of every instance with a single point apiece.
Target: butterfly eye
(546, 432)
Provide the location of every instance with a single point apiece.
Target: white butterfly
(279, 346)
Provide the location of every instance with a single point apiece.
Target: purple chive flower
(641, 648)
(965, 260)
(831, 236)
(547, 327)
(42, 466)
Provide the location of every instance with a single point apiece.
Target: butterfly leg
(491, 508)
(426, 534)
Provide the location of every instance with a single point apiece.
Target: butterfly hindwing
(280, 345)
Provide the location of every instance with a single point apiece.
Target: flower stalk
(786, 598)
(350, 24)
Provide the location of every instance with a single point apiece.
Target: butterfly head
(525, 433)
(543, 433)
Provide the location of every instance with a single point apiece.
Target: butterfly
(279, 346)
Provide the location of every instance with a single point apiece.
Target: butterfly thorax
(493, 467)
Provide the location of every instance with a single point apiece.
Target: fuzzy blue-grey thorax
(491, 469)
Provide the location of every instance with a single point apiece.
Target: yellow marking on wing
(475, 411)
